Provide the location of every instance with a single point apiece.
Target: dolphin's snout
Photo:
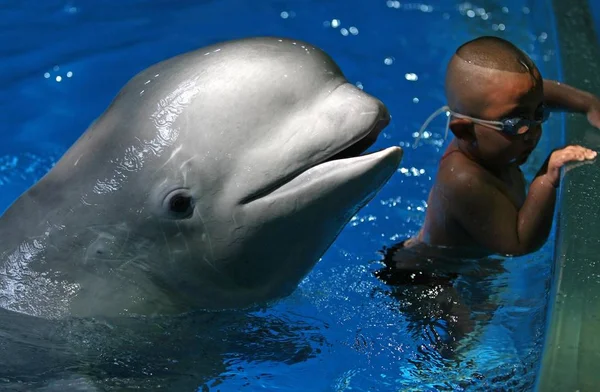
(382, 122)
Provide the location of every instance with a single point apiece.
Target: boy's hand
(560, 157)
(593, 114)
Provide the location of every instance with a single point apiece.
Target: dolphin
(214, 180)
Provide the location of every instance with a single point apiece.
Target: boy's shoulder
(460, 179)
(457, 170)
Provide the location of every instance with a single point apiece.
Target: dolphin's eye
(180, 204)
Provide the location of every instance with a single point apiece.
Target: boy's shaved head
(477, 66)
(495, 53)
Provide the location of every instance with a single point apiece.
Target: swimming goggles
(510, 126)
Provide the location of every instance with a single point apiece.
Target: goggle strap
(444, 108)
(447, 126)
(499, 124)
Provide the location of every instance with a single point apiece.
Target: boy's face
(504, 95)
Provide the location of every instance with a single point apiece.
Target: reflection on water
(447, 306)
(175, 353)
(19, 170)
(480, 329)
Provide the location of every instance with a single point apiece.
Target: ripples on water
(342, 329)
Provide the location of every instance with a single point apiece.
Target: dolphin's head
(227, 172)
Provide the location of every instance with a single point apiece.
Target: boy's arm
(492, 219)
(562, 97)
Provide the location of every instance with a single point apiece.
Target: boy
(478, 205)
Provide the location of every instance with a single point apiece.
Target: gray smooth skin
(240, 130)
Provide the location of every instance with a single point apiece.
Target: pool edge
(572, 342)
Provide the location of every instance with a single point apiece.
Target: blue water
(64, 61)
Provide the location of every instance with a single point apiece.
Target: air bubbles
(287, 15)
(388, 61)
(411, 171)
(409, 6)
(352, 30)
(56, 75)
(392, 202)
(345, 31)
(470, 11)
(411, 77)
(359, 85)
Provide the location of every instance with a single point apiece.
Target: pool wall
(572, 347)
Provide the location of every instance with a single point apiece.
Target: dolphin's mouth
(363, 144)
(352, 151)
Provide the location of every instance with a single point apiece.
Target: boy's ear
(462, 128)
